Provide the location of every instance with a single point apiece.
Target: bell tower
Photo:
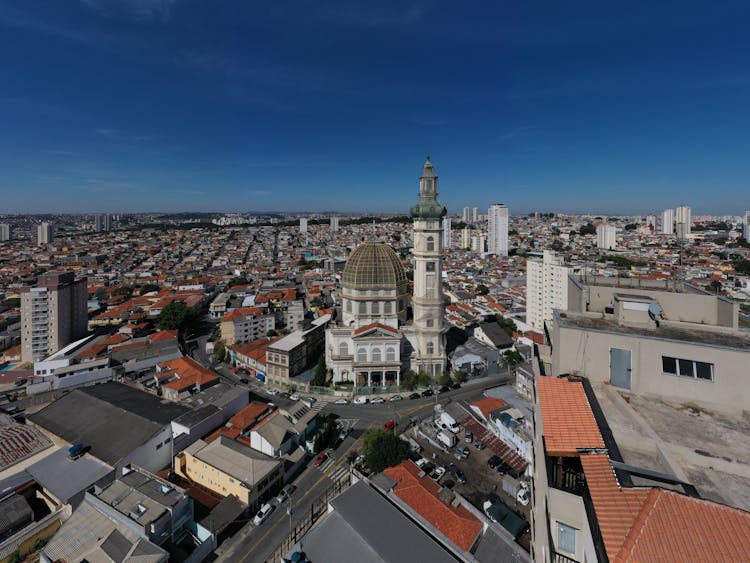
(427, 302)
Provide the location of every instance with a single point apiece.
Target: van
(449, 422)
(446, 438)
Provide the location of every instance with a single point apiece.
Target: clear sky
(172, 105)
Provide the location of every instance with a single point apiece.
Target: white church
(382, 330)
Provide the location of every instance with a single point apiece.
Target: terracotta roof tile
(487, 405)
(568, 421)
(372, 326)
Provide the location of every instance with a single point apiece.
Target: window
(430, 348)
(687, 368)
(566, 538)
(388, 308)
(347, 306)
(361, 355)
(376, 355)
(430, 267)
(362, 307)
(343, 349)
(430, 323)
(430, 244)
(390, 354)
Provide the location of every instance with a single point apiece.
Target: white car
(438, 473)
(294, 396)
(395, 398)
(523, 496)
(263, 514)
(377, 400)
(361, 400)
(271, 391)
(341, 401)
(285, 493)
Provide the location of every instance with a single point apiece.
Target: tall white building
(334, 224)
(606, 236)
(107, 219)
(478, 243)
(303, 226)
(466, 238)
(746, 229)
(684, 222)
(4, 231)
(497, 229)
(546, 287)
(474, 214)
(447, 232)
(467, 215)
(44, 233)
(667, 222)
(651, 222)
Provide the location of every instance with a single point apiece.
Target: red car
(390, 425)
(322, 456)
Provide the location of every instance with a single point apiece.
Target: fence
(317, 509)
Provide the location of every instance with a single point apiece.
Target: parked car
(428, 393)
(463, 450)
(271, 391)
(457, 473)
(377, 400)
(468, 437)
(263, 514)
(360, 400)
(285, 493)
(390, 425)
(395, 398)
(523, 496)
(322, 456)
(414, 396)
(341, 401)
(494, 461)
(438, 473)
(75, 451)
(294, 396)
(456, 385)
(444, 389)
(478, 444)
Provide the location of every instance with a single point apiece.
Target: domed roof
(374, 265)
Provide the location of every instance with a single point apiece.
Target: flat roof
(65, 477)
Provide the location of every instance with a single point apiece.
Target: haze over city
(181, 105)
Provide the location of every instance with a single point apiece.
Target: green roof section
(428, 207)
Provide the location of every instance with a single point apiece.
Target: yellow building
(227, 467)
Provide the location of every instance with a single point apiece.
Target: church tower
(428, 334)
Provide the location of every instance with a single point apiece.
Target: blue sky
(172, 105)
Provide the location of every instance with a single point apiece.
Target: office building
(303, 226)
(53, 314)
(334, 224)
(667, 222)
(684, 222)
(4, 232)
(606, 236)
(497, 228)
(446, 232)
(546, 286)
(44, 233)
(466, 217)
(466, 238)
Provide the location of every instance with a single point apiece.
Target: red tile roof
(371, 326)
(487, 405)
(242, 313)
(188, 372)
(566, 416)
(421, 494)
(162, 335)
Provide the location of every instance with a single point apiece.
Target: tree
(512, 358)
(508, 325)
(444, 379)
(148, 288)
(271, 333)
(587, 229)
(320, 377)
(482, 289)
(383, 449)
(220, 350)
(557, 245)
(409, 379)
(631, 227)
(173, 316)
(742, 266)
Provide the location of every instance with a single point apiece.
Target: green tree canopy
(148, 288)
(173, 316)
(482, 289)
(383, 449)
(319, 379)
(587, 229)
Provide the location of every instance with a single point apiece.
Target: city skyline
(184, 106)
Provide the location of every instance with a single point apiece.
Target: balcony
(566, 474)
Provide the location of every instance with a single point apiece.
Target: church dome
(373, 266)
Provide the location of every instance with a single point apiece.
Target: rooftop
(235, 459)
(18, 441)
(374, 265)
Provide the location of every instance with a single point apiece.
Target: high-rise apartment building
(667, 222)
(334, 224)
(546, 286)
(107, 220)
(651, 222)
(53, 314)
(447, 232)
(474, 214)
(478, 243)
(97, 223)
(303, 226)
(606, 236)
(44, 233)
(4, 231)
(467, 215)
(746, 228)
(466, 238)
(497, 229)
(683, 222)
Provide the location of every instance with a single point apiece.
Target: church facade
(382, 330)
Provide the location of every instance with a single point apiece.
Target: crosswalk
(339, 473)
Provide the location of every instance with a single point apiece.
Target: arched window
(388, 308)
(376, 355)
(363, 307)
(348, 306)
(430, 348)
(390, 355)
(430, 244)
(375, 308)
(343, 349)
(362, 355)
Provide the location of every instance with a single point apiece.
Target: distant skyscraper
(44, 233)
(4, 231)
(107, 222)
(606, 236)
(467, 215)
(667, 222)
(746, 229)
(303, 226)
(651, 222)
(474, 214)
(466, 238)
(497, 229)
(97, 223)
(334, 224)
(546, 287)
(53, 314)
(684, 222)
(446, 232)
(478, 243)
